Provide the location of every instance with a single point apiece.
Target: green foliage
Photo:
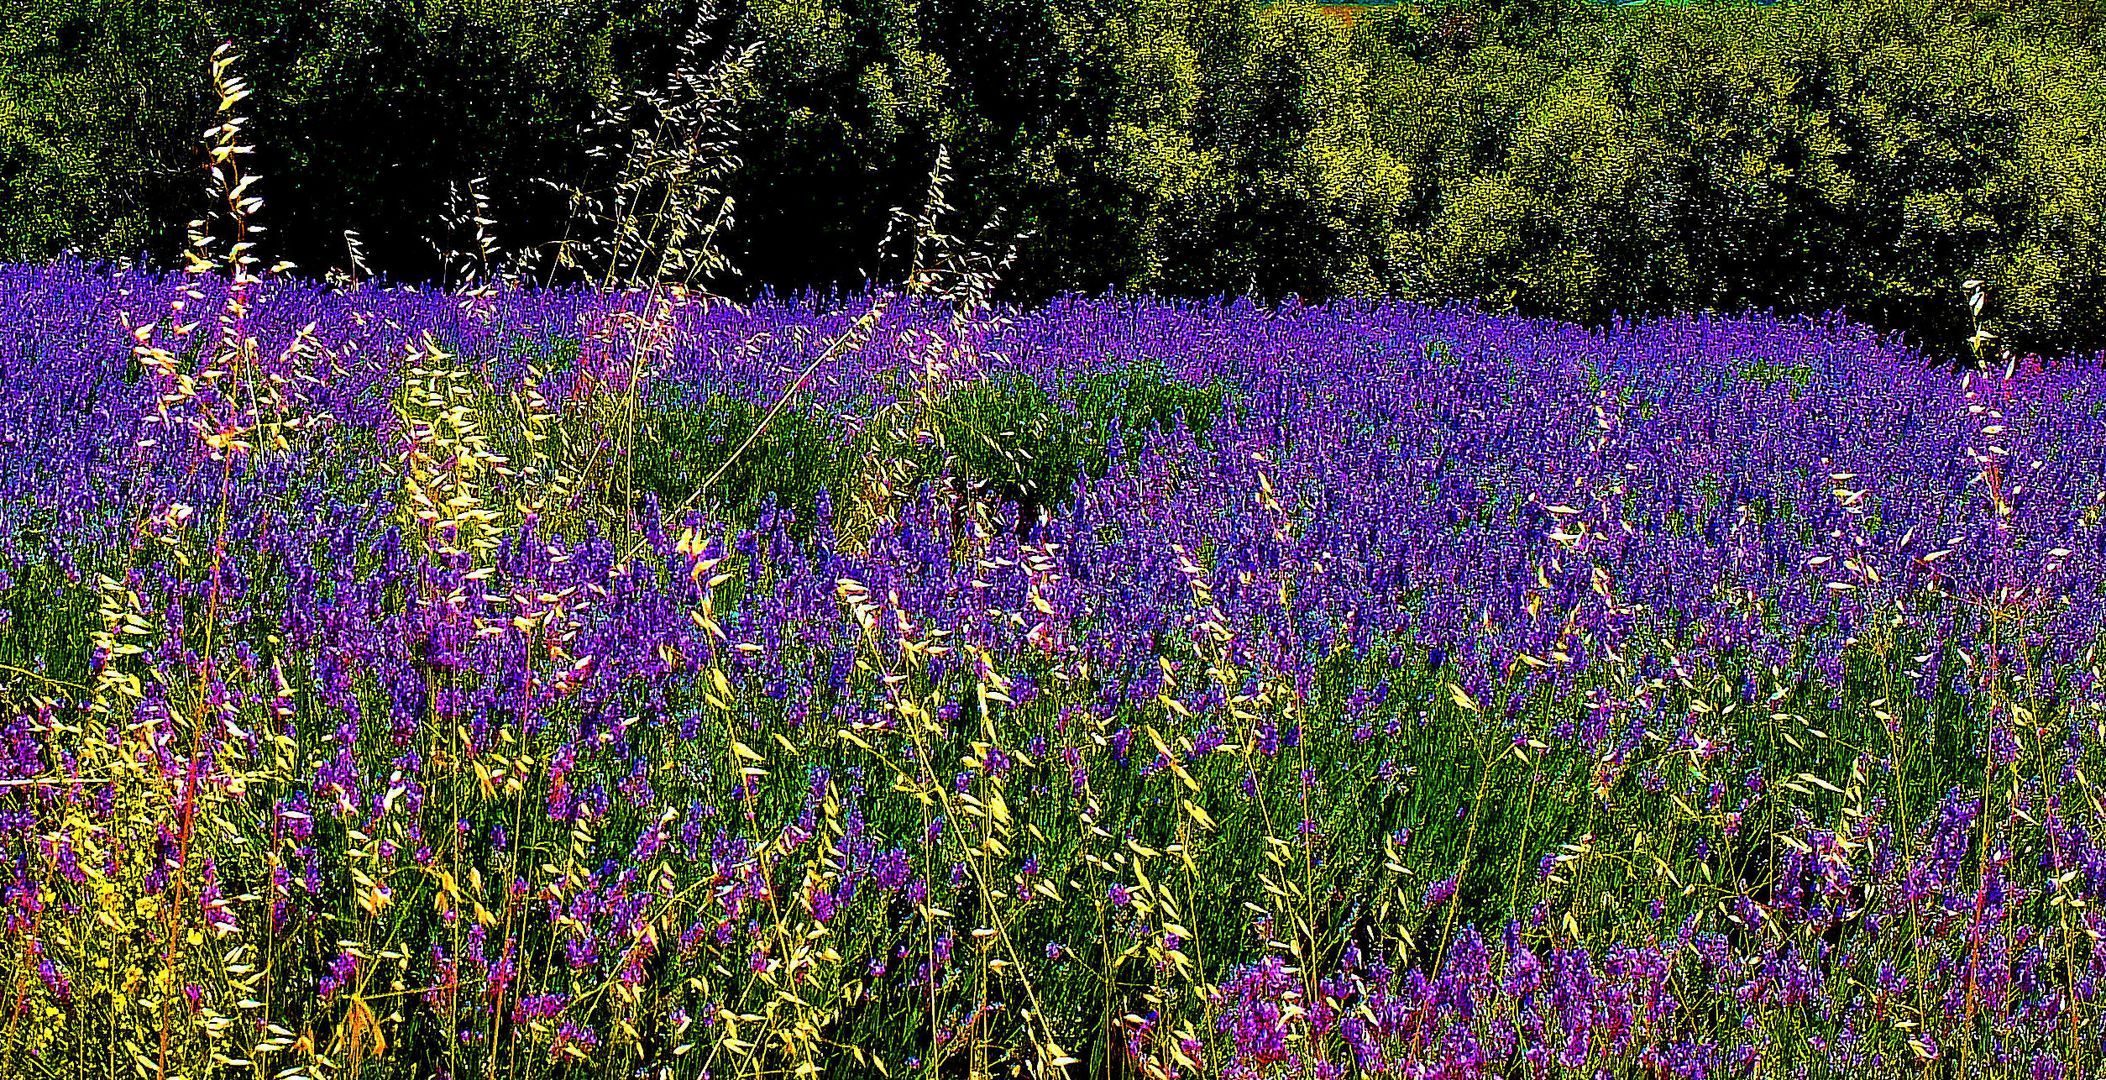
(787, 464)
(1031, 448)
(1570, 159)
(1026, 444)
(92, 96)
(1800, 157)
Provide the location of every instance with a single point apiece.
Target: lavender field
(411, 684)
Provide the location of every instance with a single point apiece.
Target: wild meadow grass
(515, 681)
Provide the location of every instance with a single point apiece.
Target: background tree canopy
(1564, 158)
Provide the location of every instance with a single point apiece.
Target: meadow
(491, 679)
(1368, 689)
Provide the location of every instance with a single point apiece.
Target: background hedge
(1563, 158)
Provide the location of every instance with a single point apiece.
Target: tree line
(1557, 157)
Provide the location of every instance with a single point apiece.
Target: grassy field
(1369, 688)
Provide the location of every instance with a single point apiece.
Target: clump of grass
(786, 465)
(1024, 445)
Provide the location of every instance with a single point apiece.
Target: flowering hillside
(403, 683)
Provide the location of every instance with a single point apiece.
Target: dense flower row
(1735, 676)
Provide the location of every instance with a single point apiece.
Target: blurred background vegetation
(1560, 157)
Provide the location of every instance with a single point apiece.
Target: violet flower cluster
(1480, 696)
